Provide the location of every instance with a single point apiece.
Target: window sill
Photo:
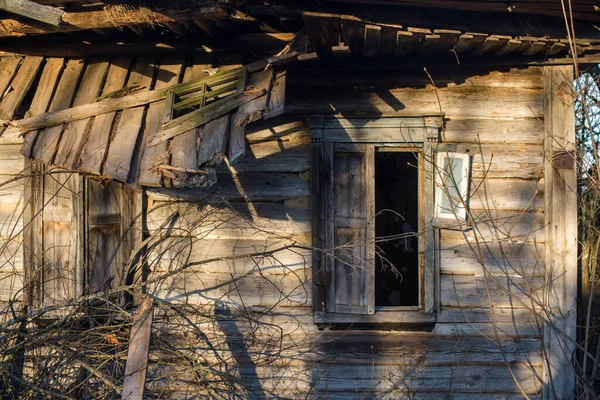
(380, 317)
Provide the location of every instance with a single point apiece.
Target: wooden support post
(561, 231)
(137, 354)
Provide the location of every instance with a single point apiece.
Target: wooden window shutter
(61, 273)
(109, 238)
(349, 204)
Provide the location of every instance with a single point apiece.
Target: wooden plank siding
(245, 245)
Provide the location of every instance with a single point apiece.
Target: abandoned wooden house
(342, 199)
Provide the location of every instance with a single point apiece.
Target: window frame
(460, 214)
(416, 134)
(86, 220)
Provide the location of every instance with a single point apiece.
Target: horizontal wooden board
(454, 102)
(496, 130)
(273, 157)
(499, 259)
(12, 161)
(292, 130)
(11, 286)
(252, 256)
(462, 291)
(400, 394)
(11, 194)
(285, 129)
(11, 221)
(379, 379)
(11, 257)
(506, 194)
(246, 186)
(503, 160)
(502, 226)
(442, 77)
(257, 288)
(250, 290)
(236, 221)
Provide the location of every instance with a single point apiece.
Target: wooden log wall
(17, 75)
(243, 249)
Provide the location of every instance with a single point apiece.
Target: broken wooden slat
(33, 10)
(237, 140)
(213, 141)
(168, 74)
(277, 96)
(110, 105)
(114, 104)
(94, 151)
(20, 85)
(89, 89)
(372, 41)
(252, 111)
(8, 68)
(202, 116)
(42, 97)
(184, 148)
(47, 143)
(122, 149)
(137, 353)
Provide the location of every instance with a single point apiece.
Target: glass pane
(452, 175)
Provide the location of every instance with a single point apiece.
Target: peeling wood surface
(69, 150)
(49, 138)
(32, 10)
(123, 144)
(168, 74)
(97, 145)
(19, 87)
(268, 207)
(42, 98)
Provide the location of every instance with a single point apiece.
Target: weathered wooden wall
(16, 77)
(263, 332)
(11, 209)
(491, 278)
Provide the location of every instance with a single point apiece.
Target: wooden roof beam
(465, 21)
(32, 10)
(103, 18)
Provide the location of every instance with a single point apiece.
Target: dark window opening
(396, 224)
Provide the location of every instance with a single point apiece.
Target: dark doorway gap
(397, 220)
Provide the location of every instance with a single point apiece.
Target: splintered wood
(141, 122)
